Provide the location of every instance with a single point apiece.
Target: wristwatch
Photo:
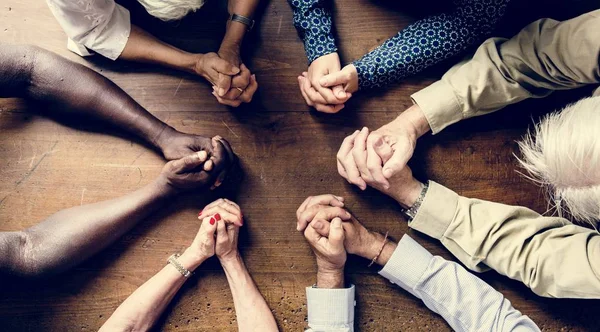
(242, 19)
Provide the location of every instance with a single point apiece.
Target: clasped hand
(325, 86)
(233, 83)
(219, 231)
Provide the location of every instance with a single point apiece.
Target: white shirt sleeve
(102, 26)
(330, 310)
(466, 302)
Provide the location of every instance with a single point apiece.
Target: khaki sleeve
(548, 254)
(546, 55)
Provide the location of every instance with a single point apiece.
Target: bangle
(380, 249)
(173, 261)
(248, 22)
(411, 212)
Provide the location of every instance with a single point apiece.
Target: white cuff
(330, 309)
(407, 264)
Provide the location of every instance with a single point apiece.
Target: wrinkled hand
(226, 209)
(330, 252)
(203, 246)
(363, 160)
(347, 78)
(357, 241)
(243, 87)
(323, 99)
(321, 207)
(228, 217)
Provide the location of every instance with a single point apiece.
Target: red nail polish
(212, 221)
(217, 217)
(200, 213)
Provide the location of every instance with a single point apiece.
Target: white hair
(171, 10)
(563, 155)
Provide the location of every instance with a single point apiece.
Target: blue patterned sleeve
(312, 19)
(429, 41)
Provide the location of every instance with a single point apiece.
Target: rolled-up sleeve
(102, 26)
(330, 310)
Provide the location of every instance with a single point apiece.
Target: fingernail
(341, 94)
(212, 221)
(217, 217)
(254, 76)
(323, 81)
(214, 88)
(236, 70)
(378, 143)
(221, 92)
(200, 213)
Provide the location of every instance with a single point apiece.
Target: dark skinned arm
(70, 236)
(36, 74)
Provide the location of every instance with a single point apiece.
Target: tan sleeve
(546, 55)
(548, 254)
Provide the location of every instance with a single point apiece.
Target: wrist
(191, 259)
(330, 278)
(231, 261)
(166, 134)
(164, 187)
(374, 248)
(408, 194)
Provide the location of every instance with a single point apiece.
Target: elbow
(25, 264)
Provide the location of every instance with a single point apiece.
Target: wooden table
(287, 153)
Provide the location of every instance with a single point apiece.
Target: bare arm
(37, 74)
(141, 309)
(253, 313)
(70, 236)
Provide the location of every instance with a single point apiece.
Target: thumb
(337, 78)
(190, 162)
(336, 233)
(395, 164)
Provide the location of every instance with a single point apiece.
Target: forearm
(427, 42)
(317, 37)
(551, 256)
(40, 75)
(236, 31)
(252, 311)
(71, 236)
(143, 47)
(141, 309)
(442, 286)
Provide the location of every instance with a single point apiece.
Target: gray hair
(171, 10)
(562, 154)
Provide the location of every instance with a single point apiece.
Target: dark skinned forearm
(70, 236)
(33, 73)
(236, 31)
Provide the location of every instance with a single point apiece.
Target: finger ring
(240, 89)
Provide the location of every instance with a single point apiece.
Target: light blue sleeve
(466, 302)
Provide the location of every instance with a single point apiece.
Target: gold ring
(241, 90)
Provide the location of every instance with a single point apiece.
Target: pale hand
(323, 99)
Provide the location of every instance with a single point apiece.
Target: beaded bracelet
(380, 249)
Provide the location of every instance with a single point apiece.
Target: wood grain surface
(287, 153)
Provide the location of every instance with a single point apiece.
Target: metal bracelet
(173, 261)
(242, 19)
(411, 212)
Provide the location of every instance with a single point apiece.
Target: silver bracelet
(248, 22)
(173, 261)
(411, 212)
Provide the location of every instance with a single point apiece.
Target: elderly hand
(360, 163)
(242, 89)
(320, 207)
(357, 241)
(203, 246)
(323, 99)
(330, 252)
(216, 70)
